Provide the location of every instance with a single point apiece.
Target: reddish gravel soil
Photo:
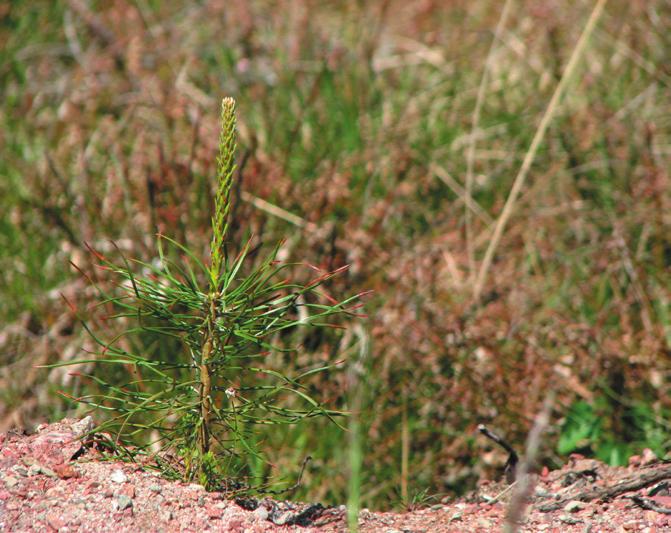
(42, 488)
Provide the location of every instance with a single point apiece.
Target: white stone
(261, 513)
(118, 476)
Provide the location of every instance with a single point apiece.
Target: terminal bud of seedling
(194, 325)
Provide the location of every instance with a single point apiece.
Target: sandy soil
(48, 482)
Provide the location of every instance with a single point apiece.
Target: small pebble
(574, 506)
(48, 471)
(11, 482)
(122, 502)
(261, 513)
(648, 457)
(566, 519)
(20, 470)
(118, 476)
(155, 488)
(283, 518)
(84, 426)
(56, 521)
(213, 512)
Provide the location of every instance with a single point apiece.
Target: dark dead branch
(649, 504)
(631, 484)
(513, 458)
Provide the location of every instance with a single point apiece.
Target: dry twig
(524, 486)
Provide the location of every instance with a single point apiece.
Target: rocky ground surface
(50, 482)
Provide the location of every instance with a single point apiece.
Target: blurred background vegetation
(356, 129)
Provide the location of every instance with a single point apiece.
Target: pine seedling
(189, 374)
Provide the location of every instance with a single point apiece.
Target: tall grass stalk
(356, 377)
(405, 449)
(535, 144)
(475, 121)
